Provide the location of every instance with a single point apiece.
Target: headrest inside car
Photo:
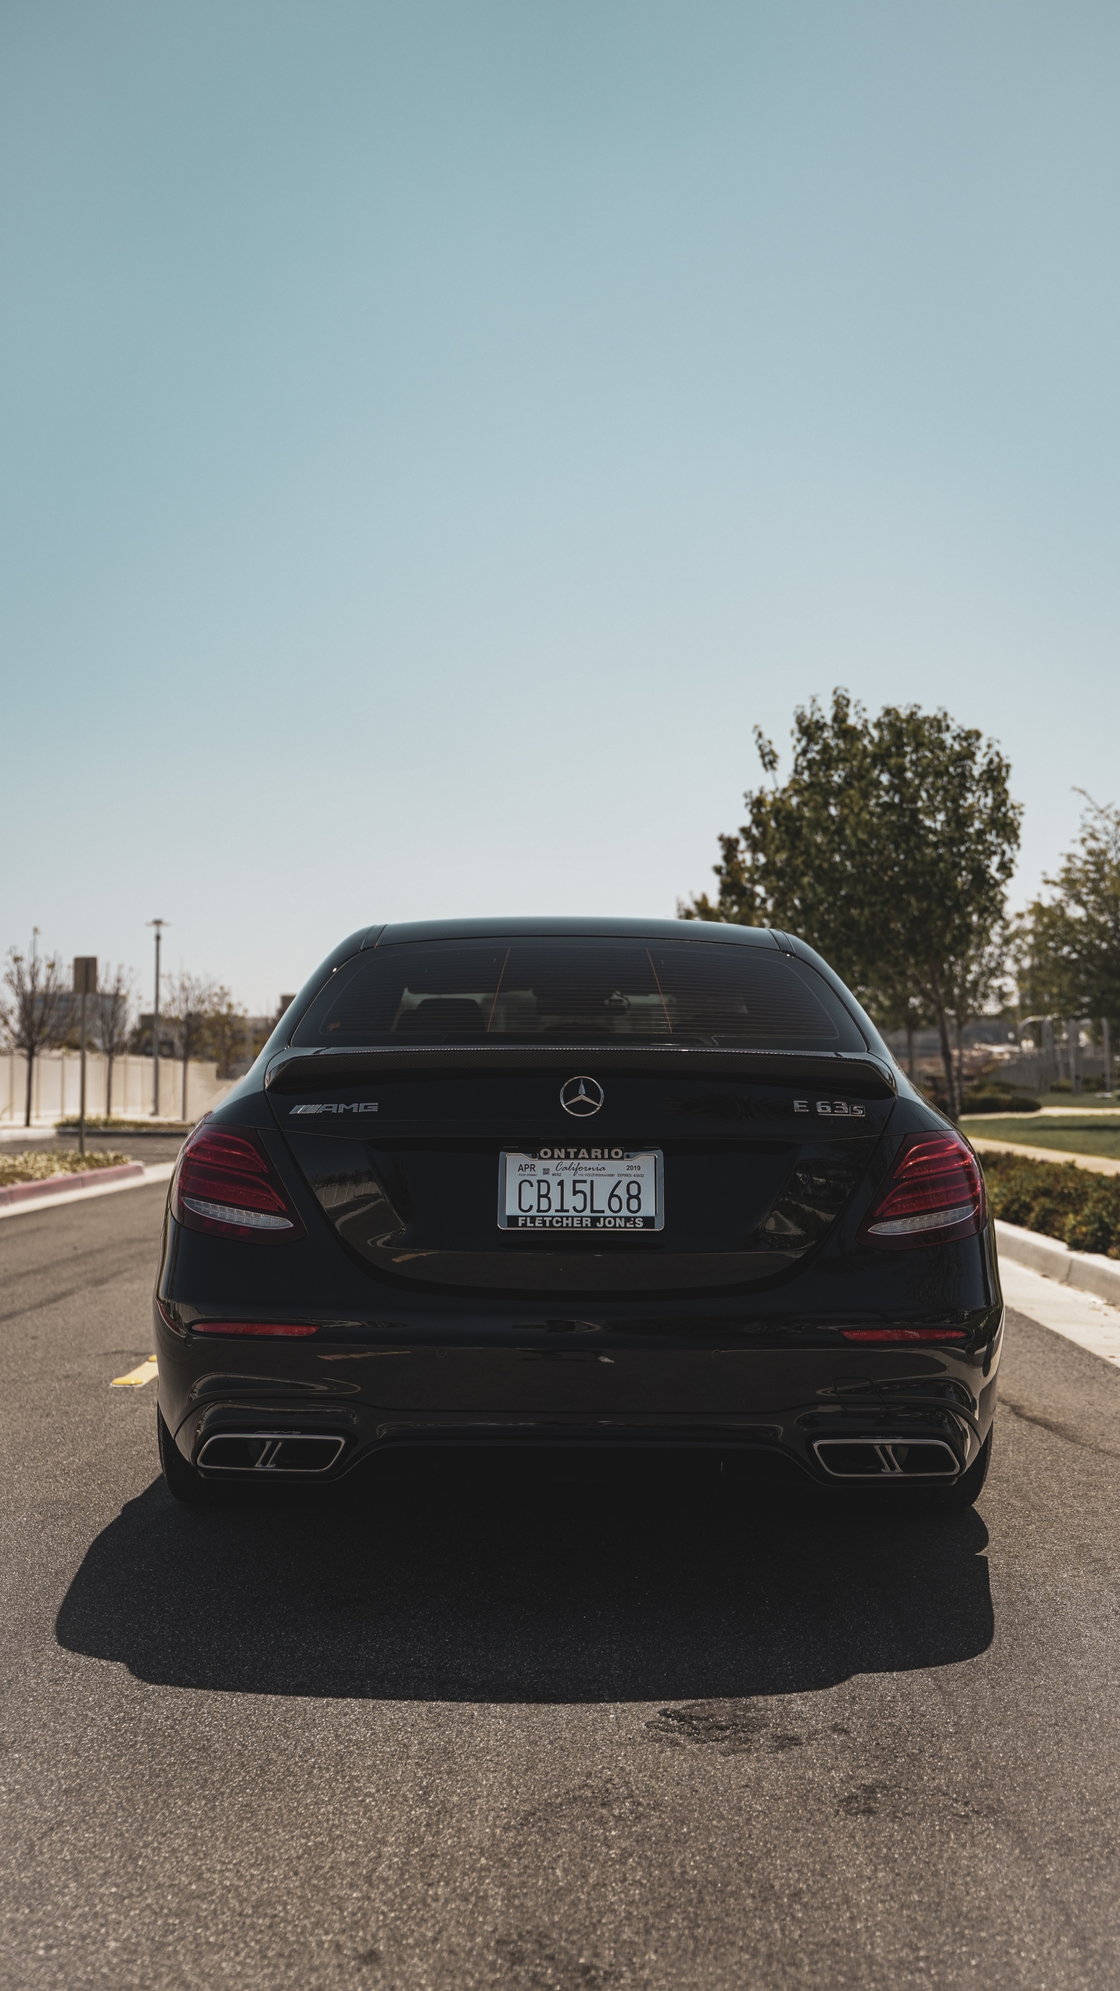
(459, 1016)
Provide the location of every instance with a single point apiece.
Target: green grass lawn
(1077, 1135)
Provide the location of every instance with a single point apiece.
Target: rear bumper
(788, 1401)
(238, 1441)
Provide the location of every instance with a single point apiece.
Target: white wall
(56, 1087)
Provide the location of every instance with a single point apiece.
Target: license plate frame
(581, 1215)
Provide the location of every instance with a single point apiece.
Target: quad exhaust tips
(887, 1458)
(299, 1453)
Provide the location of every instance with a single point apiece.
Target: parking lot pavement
(561, 1722)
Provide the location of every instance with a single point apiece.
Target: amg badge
(332, 1106)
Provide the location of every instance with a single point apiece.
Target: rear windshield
(579, 992)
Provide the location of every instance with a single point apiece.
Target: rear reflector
(935, 1191)
(223, 1183)
(902, 1333)
(288, 1327)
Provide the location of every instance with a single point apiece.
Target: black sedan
(595, 1182)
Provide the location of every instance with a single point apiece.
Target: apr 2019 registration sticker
(581, 1189)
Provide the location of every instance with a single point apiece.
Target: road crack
(1067, 1432)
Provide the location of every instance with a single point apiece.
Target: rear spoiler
(338, 1067)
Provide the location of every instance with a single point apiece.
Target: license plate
(581, 1189)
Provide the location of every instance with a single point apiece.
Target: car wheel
(179, 1477)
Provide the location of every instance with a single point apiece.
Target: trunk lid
(761, 1152)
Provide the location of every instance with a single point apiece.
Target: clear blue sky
(436, 433)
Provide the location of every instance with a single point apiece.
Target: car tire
(179, 1477)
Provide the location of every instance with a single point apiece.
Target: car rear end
(578, 1182)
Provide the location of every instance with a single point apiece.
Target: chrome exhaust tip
(300, 1453)
(887, 1458)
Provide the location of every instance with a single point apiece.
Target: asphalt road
(557, 1723)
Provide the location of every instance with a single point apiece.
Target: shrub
(39, 1165)
(994, 1099)
(1093, 1230)
(986, 1095)
(1058, 1198)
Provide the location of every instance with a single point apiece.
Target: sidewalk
(1097, 1164)
(1096, 1104)
(1065, 1310)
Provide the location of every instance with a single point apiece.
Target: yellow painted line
(136, 1378)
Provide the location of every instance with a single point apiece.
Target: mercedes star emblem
(582, 1096)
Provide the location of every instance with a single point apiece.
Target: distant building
(169, 1038)
(66, 1015)
(989, 1033)
(253, 1033)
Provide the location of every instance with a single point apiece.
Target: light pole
(30, 1060)
(159, 925)
(85, 984)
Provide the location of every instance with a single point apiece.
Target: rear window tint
(579, 992)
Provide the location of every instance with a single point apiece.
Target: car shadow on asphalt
(460, 1576)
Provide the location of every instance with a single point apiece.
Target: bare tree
(229, 1031)
(189, 1004)
(110, 1029)
(31, 1015)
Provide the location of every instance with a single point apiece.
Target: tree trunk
(959, 1032)
(942, 1017)
(108, 1085)
(186, 1062)
(910, 1049)
(30, 1076)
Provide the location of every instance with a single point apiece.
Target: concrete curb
(30, 1192)
(1089, 1271)
(158, 1131)
(90, 1185)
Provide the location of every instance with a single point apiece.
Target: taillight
(935, 1191)
(223, 1183)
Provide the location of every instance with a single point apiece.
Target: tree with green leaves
(1070, 942)
(888, 846)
